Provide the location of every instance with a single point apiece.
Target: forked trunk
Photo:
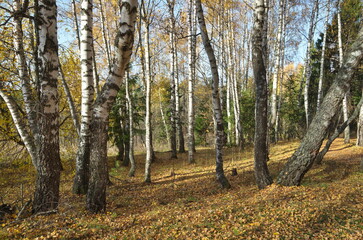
(96, 194)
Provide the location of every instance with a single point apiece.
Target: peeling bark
(46, 196)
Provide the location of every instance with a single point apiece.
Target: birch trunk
(219, 134)
(303, 158)
(163, 118)
(230, 77)
(96, 76)
(173, 121)
(322, 60)
(262, 174)
(282, 74)
(20, 125)
(236, 106)
(104, 34)
(148, 143)
(80, 183)
(191, 79)
(307, 69)
(96, 194)
(46, 195)
(126, 160)
(28, 96)
(360, 126)
(131, 130)
(345, 99)
(76, 25)
(179, 125)
(276, 68)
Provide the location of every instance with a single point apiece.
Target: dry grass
(185, 202)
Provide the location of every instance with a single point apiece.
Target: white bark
(191, 78)
(236, 105)
(20, 125)
(276, 68)
(104, 34)
(46, 195)
(322, 60)
(307, 69)
(219, 133)
(148, 143)
(282, 74)
(131, 125)
(96, 195)
(29, 101)
(360, 126)
(76, 25)
(163, 118)
(173, 120)
(345, 99)
(82, 161)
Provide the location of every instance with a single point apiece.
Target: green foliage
(351, 16)
(202, 127)
(119, 116)
(291, 113)
(203, 114)
(247, 102)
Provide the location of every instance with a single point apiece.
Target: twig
(46, 213)
(18, 217)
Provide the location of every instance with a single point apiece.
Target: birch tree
(82, 160)
(322, 60)
(131, 127)
(191, 77)
(302, 159)
(262, 174)
(104, 33)
(39, 130)
(345, 99)
(145, 58)
(96, 195)
(173, 121)
(360, 126)
(219, 130)
(46, 195)
(276, 68)
(307, 68)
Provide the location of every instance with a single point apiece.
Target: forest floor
(185, 202)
